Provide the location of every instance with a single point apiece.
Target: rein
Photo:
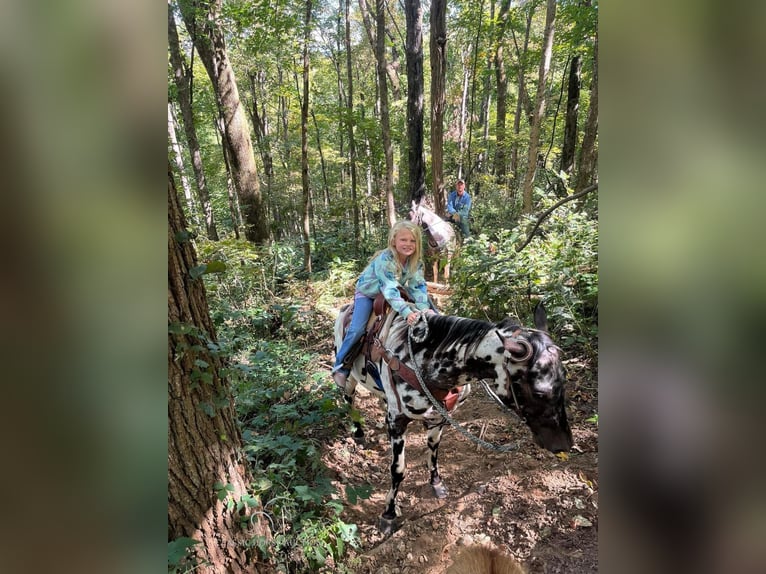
(443, 412)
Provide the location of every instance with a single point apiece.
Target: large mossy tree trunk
(202, 22)
(204, 442)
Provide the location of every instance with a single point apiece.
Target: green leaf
(184, 236)
(197, 272)
(215, 267)
(353, 493)
(178, 549)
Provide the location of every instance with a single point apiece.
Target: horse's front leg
(349, 393)
(434, 438)
(397, 426)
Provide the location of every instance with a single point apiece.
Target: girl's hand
(413, 317)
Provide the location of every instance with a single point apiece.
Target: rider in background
(459, 207)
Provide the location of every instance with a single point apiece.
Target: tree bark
(306, 231)
(325, 189)
(177, 153)
(262, 129)
(385, 117)
(570, 126)
(539, 112)
(350, 124)
(414, 48)
(589, 151)
(206, 33)
(204, 442)
(501, 79)
(438, 43)
(182, 76)
(521, 97)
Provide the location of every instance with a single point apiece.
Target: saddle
(371, 346)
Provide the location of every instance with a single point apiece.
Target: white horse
(441, 238)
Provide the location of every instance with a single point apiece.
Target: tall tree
(414, 49)
(589, 151)
(377, 38)
(438, 44)
(521, 93)
(182, 77)
(350, 122)
(202, 21)
(204, 442)
(385, 118)
(178, 155)
(570, 126)
(539, 110)
(306, 230)
(262, 127)
(501, 79)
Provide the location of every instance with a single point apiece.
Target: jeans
(359, 318)
(463, 224)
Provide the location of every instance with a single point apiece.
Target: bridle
(443, 412)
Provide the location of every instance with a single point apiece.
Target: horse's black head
(537, 379)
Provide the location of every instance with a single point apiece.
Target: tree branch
(550, 210)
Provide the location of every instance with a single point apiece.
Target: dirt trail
(529, 503)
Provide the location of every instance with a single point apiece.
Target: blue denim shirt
(380, 277)
(458, 204)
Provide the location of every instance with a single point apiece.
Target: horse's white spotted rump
(522, 366)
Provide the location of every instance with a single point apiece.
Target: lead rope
(443, 412)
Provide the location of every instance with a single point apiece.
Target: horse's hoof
(439, 490)
(388, 526)
(360, 440)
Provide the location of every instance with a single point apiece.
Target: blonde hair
(414, 259)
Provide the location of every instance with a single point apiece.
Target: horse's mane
(448, 330)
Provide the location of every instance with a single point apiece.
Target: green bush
(559, 266)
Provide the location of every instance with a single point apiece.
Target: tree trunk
(325, 189)
(521, 56)
(182, 76)
(414, 48)
(539, 111)
(204, 442)
(502, 93)
(473, 93)
(350, 125)
(438, 101)
(377, 38)
(262, 129)
(589, 152)
(306, 231)
(206, 33)
(570, 126)
(385, 118)
(463, 112)
(190, 207)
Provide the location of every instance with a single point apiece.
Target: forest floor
(538, 507)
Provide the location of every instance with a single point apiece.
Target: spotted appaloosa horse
(521, 365)
(441, 238)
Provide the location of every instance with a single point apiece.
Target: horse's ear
(519, 349)
(541, 317)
